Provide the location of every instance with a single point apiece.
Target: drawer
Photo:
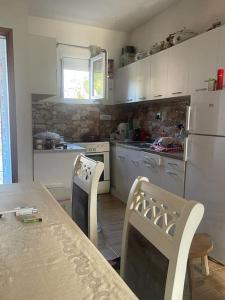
(175, 165)
(150, 158)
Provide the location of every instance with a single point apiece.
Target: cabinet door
(134, 166)
(203, 59)
(221, 52)
(131, 82)
(42, 65)
(172, 176)
(178, 70)
(142, 80)
(151, 167)
(113, 167)
(122, 183)
(159, 68)
(120, 85)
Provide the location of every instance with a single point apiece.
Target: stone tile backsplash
(75, 122)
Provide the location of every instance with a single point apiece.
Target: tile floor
(112, 216)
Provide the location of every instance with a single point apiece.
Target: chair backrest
(158, 230)
(85, 179)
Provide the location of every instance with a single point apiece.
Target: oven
(99, 151)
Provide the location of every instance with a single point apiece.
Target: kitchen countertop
(71, 148)
(174, 155)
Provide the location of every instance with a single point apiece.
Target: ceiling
(124, 15)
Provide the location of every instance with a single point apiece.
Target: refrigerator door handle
(186, 149)
(188, 118)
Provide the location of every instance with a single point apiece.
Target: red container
(220, 77)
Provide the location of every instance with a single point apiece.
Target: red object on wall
(220, 77)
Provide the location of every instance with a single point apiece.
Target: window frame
(8, 34)
(91, 100)
(100, 56)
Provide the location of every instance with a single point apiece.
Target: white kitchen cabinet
(121, 180)
(42, 65)
(203, 59)
(142, 80)
(159, 72)
(131, 78)
(113, 166)
(221, 52)
(134, 166)
(125, 168)
(120, 85)
(128, 164)
(125, 84)
(178, 70)
(172, 176)
(54, 170)
(151, 167)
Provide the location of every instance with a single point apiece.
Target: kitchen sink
(141, 145)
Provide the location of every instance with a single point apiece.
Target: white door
(207, 113)
(205, 183)
(142, 80)
(178, 70)
(159, 68)
(203, 59)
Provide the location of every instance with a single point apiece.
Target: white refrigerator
(205, 172)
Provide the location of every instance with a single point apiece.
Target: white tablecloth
(52, 259)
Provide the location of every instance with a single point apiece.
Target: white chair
(85, 179)
(158, 231)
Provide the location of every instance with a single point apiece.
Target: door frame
(8, 33)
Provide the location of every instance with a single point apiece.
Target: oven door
(103, 157)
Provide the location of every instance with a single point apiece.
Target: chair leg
(99, 217)
(205, 265)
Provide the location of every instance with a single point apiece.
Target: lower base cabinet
(127, 164)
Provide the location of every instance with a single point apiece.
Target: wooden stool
(200, 247)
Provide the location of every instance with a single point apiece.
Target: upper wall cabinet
(121, 84)
(42, 65)
(131, 75)
(203, 59)
(178, 70)
(221, 52)
(142, 80)
(125, 84)
(159, 70)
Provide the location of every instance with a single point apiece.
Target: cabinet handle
(142, 98)
(129, 100)
(177, 93)
(156, 96)
(172, 164)
(199, 90)
(171, 173)
(121, 157)
(148, 165)
(136, 163)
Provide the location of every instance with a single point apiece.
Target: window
(75, 78)
(84, 79)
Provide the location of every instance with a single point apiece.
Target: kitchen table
(52, 259)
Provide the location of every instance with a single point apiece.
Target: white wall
(14, 15)
(71, 33)
(197, 15)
